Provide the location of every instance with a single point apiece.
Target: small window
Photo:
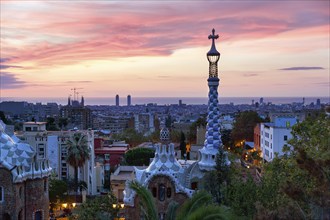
(20, 215)
(1, 194)
(20, 192)
(168, 192)
(154, 192)
(45, 185)
(161, 192)
(194, 185)
(285, 137)
(38, 215)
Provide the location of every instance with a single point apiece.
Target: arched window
(161, 192)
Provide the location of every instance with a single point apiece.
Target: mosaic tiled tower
(212, 136)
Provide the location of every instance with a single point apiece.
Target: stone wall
(37, 198)
(11, 204)
(22, 200)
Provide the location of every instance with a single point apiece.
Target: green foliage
(193, 129)
(171, 210)
(131, 136)
(51, 126)
(200, 206)
(297, 184)
(199, 200)
(139, 156)
(78, 153)
(99, 208)
(57, 190)
(210, 212)
(148, 206)
(226, 138)
(3, 118)
(244, 126)
(62, 122)
(175, 136)
(241, 196)
(78, 150)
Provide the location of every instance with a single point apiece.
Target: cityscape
(155, 110)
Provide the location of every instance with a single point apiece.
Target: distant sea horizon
(169, 100)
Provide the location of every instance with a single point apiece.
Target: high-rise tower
(129, 100)
(212, 137)
(117, 100)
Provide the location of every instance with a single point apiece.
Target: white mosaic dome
(13, 152)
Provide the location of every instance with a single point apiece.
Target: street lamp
(117, 207)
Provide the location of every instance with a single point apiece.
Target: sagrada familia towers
(166, 178)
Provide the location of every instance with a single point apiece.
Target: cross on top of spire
(213, 37)
(213, 50)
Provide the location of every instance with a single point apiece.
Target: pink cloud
(57, 33)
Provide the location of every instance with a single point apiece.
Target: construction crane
(75, 93)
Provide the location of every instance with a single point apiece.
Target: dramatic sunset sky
(158, 49)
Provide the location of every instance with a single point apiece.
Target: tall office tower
(129, 100)
(212, 137)
(117, 100)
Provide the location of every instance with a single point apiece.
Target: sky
(158, 48)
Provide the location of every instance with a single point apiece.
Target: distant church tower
(212, 137)
(82, 101)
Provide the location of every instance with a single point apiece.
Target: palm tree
(78, 153)
(200, 206)
(148, 206)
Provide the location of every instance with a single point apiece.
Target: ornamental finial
(213, 50)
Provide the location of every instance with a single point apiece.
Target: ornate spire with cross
(212, 137)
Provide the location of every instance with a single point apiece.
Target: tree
(51, 126)
(57, 190)
(78, 153)
(98, 208)
(226, 138)
(139, 156)
(310, 157)
(193, 129)
(217, 180)
(62, 122)
(131, 136)
(296, 185)
(244, 126)
(3, 118)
